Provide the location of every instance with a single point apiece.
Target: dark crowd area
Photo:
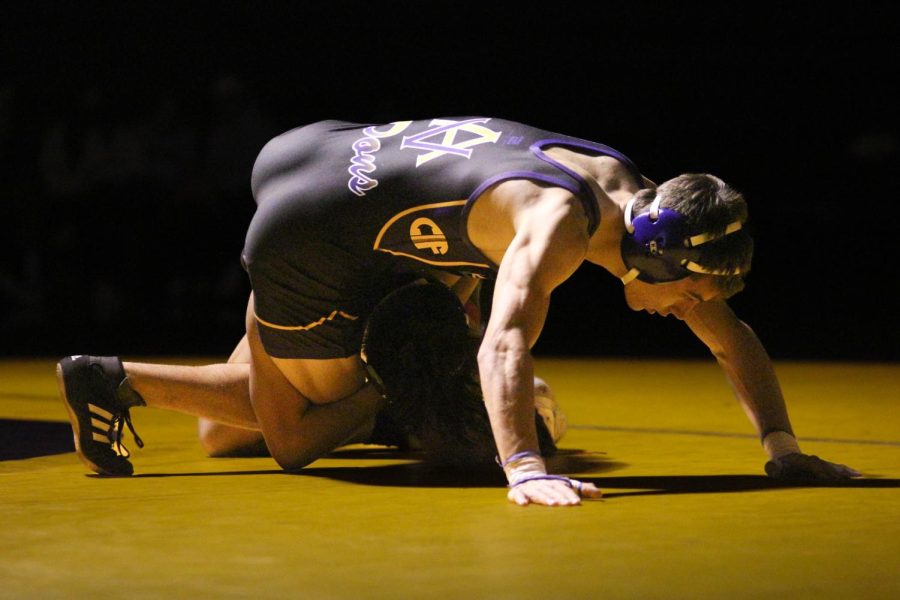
(129, 217)
(128, 132)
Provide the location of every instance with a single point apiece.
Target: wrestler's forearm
(752, 376)
(745, 362)
(298, 431)
(295, 440)
(325, 427)
(507, 380)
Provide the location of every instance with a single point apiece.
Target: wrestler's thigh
(241, 352)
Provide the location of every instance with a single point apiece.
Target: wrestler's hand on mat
(552, 490)
(808, 468)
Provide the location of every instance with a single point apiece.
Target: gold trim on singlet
(436, 263)
(331, 317)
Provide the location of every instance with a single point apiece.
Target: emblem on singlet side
(426, 235)
(414, 235)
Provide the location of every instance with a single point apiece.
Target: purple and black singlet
(344, 208)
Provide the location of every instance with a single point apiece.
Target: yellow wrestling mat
(688, 512)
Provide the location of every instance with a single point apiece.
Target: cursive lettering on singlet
(362, 164)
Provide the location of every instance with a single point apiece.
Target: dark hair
(709, 205)
(418, 343)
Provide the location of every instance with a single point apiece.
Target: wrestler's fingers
(518, 496)
(808, 468)
(587, 490)
(552, 492)
(845, 471)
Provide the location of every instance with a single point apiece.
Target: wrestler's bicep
(549, 245)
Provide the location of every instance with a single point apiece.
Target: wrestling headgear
(658, 248)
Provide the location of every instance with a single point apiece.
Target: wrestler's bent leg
(221, 440)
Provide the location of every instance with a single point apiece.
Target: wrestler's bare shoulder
(492, 219)
(610, 174)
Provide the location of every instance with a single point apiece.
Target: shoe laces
(116, 427)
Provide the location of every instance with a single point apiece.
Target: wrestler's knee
(211, 440)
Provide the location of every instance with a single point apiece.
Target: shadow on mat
(565, 460)
(20, 439)
(424, 474)
(203, 474)
(402, 475)
(718, 484)
(416, 473)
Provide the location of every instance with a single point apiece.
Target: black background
(792, 105)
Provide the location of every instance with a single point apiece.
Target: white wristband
(527, 466)
(780, 443)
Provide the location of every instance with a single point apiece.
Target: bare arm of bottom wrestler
(296, 430)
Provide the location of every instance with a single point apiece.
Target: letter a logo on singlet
(441, 139)
(425, 234)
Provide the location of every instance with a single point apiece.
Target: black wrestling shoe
(98, 397)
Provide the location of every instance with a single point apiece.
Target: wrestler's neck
(604, 246)
(613, 186)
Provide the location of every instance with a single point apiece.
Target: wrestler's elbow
(293, 463)
(292, 458)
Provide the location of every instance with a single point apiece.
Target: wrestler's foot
(98, 397)
(548, 408)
